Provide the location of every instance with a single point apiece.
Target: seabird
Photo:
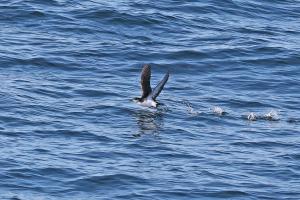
(148, 95)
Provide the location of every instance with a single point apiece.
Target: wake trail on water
(272, 115)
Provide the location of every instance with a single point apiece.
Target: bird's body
(148, 102)
(149, 96)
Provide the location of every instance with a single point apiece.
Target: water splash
(272, 116)
(252, 117)
(218, 110)
(190, 108)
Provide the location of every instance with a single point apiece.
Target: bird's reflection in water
(149, 121)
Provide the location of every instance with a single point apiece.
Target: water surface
(68, 127)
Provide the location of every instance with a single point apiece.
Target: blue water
(69, 70)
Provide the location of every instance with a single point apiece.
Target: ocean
(228, 121)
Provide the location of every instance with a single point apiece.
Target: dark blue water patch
(83, 135)
(184, 194)
(116, 17)
(51, 173)
(121, 181)
(11, 134)
(265, 144)
(92, 93)
(293, 120)
(15, 198)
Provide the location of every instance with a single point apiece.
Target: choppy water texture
(228, 126)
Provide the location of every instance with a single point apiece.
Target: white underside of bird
(149, 102)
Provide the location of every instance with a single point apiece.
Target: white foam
(272, 115)
(218, 110)
(252, 116)
(191, 110)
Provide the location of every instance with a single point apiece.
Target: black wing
(160, 86)
(145, 81)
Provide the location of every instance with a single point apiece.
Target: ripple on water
(103, 182)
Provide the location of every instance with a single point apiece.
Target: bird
(149, 96)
